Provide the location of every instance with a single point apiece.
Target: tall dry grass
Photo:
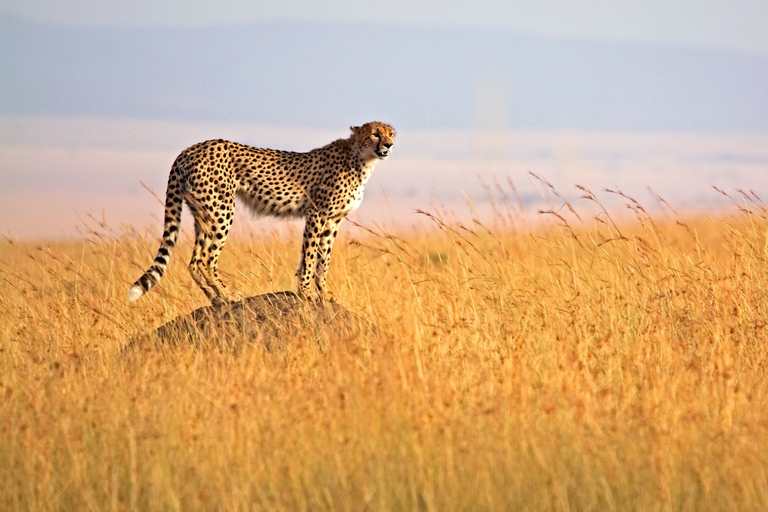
(596, 362)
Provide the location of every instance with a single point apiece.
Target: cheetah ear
(354, 128)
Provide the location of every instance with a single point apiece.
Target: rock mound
(271, 319)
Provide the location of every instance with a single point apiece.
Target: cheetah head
(374, 140)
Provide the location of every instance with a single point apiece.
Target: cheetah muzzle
(322, 186)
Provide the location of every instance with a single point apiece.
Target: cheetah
(322, 186)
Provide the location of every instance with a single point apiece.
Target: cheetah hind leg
(203, 266)
(210, 283)
(199, 271)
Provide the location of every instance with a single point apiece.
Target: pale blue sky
(97, 97)
(727, 24)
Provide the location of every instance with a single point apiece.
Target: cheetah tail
(155, 272)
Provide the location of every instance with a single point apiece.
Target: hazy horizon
(57, 172)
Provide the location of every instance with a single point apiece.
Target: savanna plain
(600, 358)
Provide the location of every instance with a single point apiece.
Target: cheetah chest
(355, 200)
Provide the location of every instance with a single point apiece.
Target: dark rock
(272, 319)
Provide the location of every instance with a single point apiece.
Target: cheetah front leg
(309, 250)
(325, 246)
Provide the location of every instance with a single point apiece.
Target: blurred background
(98, 97)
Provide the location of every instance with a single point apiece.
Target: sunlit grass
(600, 361)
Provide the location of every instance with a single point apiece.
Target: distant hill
(333, 74)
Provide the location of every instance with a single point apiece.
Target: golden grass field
(601, 360)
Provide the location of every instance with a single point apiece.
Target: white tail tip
(135, 292)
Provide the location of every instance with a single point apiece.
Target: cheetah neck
(361, 168)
